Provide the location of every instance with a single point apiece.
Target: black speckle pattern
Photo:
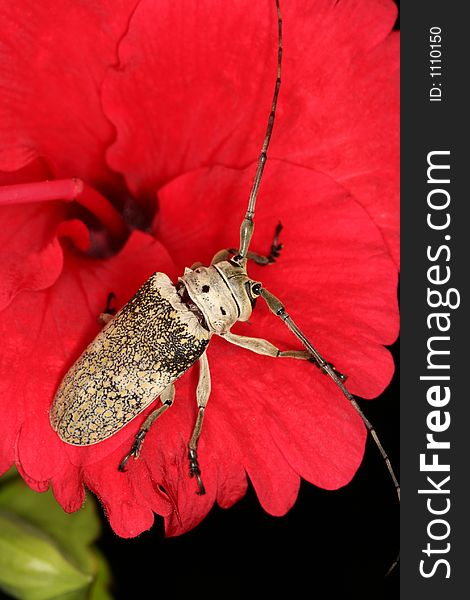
(151, 342)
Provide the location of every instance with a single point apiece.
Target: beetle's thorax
(222, 294)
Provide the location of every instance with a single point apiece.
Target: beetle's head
(223, 293)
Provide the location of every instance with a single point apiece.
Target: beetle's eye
(253, 290)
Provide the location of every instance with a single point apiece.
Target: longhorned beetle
(165, 329)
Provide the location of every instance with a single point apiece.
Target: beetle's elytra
(165, 329)
(153, 340)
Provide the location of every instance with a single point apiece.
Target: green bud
(31, 565)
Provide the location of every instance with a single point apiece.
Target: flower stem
(67, 190)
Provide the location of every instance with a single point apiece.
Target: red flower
(174, 103)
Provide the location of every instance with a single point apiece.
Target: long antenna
(247, 226)
(279, 310)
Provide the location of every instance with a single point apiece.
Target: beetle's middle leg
(261, 346)
(202, 395)
(166, 398)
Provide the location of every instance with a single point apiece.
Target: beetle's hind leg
(166, 397)
(202, 395)
(259, 259)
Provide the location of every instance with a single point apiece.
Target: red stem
(67, 190)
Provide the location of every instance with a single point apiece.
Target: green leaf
(10, 474)
(32, 567)
(101, 583)
(72, 532)
(70, 535)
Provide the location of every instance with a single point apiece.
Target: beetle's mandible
(165, 329)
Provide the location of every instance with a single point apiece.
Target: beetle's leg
(166, 398)
(202, 395)
(109, 311)
(274, 252)
(259, 259)
(261, 346)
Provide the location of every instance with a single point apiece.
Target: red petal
(53, 59)
(180, 103)
(338, 283)
(276, 424)
(287, 422)
(130, 499)
(31, 214)
(55, 325)
(31, 254)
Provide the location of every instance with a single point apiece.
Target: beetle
(165, 329)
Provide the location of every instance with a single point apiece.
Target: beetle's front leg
(259, 259)
(166, 397)
(202, 395)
